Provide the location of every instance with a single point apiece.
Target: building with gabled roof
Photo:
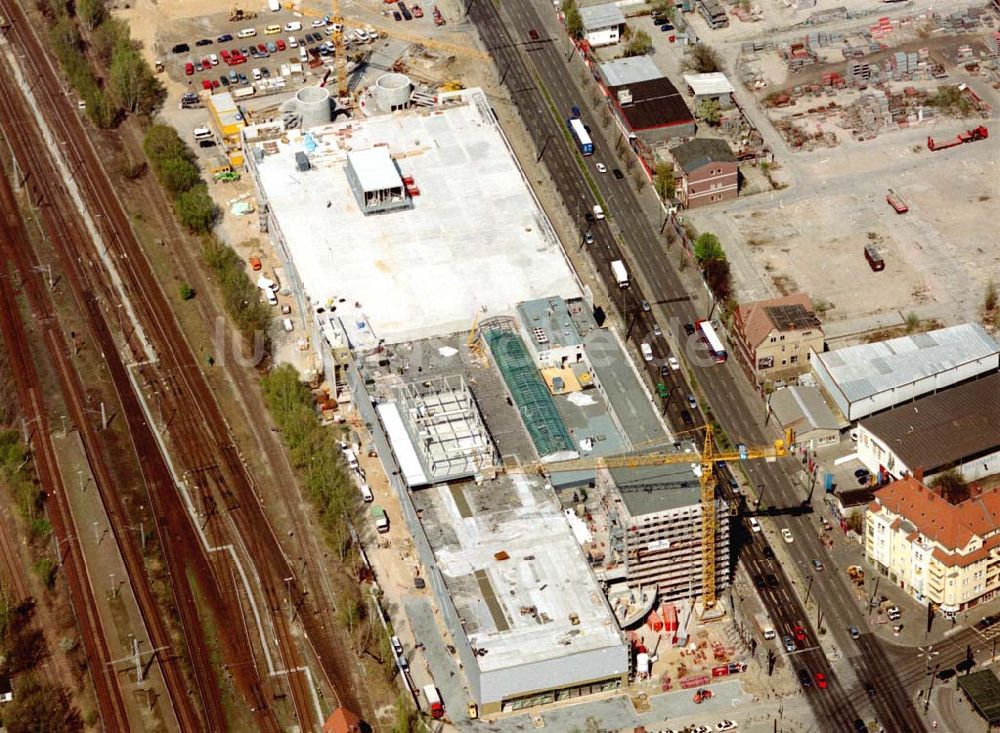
(602, 24)
(773, 337)
(708, 170)
(955, 429)
(938, 552)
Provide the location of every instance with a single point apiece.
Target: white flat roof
(409, 462)
(375, 169)
(475, 241)
(598, 17)
(544, 570)
(713, 83)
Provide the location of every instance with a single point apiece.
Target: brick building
(708, 172)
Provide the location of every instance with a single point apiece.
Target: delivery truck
(434, 701)
(620, 273)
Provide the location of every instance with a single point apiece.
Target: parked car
(225, 80)
(893, 613)
(203, 42)
(666, 27)
(317, 23)
(224, 38)
(396, 15)
(689, 329)
(213, 59)
(986, 622)
(786, 534)
(188, 69)
(206, 85)
(726, 725)
(293, 42)
(588, 238)
(293, 26)
(280, 44)
(271, 47)
(870, 689)
(533, 34)
(601, 168)
(265, 72)
(657, 331)
(180, 48)
(243, 79)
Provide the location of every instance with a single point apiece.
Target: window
(773, 339)
(794, 359)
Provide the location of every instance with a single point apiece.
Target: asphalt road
(521, 63)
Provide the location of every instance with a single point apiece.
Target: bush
(639, 44)
(196, 210)
(574, 23)
(702, 59)
(40, 706)
(707, 247)
(45, 569)
(186, 291)
(240, 296)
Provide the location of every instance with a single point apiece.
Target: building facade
(774, 337)
(708, 172)
(710, 87)
(602, 24)
(938, 552)
(655, 520)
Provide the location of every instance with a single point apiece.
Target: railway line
(110, 703)
(195, 428)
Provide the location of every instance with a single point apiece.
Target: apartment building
(654, 522)
(938, 552)
(773, 338)
(708, 171)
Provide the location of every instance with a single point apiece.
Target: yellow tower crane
(340, 53)
(709, 458)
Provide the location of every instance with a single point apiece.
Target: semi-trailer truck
(434, 701)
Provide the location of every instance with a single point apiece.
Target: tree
(953, 487)
(707, 247)
(186, 291)
(718, 278)
(856, 522)
(574, 23)
(40, 706)
(108, 36)
(196, 210)
(90, 12)
(639, 45)
(709, 112)
(663, 181)
(162, 142)
(702, 59)
(178, 175)
(132, 80)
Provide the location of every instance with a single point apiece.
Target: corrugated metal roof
(945, 428)
(629, 70)
(869, 369)
(792, 405)
(598, 17)
(713, 83)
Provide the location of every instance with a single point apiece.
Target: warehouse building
(602, 24)
(646, 104)
(956, 429)
(804, 411)
(380, 226)
(713, 87)
(865, 379)
(654, 529)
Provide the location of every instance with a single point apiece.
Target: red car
(225, 55)
(262, 47)
(800, 634)
(206, 64)
(280, 44)
(820, 680)
(533, 34)
(188, 69)
(206, 84)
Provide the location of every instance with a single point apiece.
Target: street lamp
(928, 654)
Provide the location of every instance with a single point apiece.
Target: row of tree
(711, 258)
(176, 167)
(102, 62)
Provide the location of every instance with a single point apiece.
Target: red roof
(951, 525)
(342, 721)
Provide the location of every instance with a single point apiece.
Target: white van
(247, 33)
(293, 42)
(202, 133)
(303, 54)
(366, 493)
(598, 212)
(647, 352)
(255, 72)
(286, 323)
(271, 298)
(293, 26)
(274, 5)
(361, 36)
(351, 459)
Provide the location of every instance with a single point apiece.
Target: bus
(711, 339)
(579, 133)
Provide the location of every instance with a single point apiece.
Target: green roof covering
(983, 690)
(531, 395)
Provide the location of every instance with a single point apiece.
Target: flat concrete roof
(629, 70)
(515, 572)
(598, 17)
(475, 240)
(651, 489)
(375, 169)
(870, 369)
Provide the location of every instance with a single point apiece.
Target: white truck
(620, 273)
(764, 622)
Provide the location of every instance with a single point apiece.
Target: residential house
(773, 338)
(708, 172)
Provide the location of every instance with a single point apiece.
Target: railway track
(110, 703)
(197, 430)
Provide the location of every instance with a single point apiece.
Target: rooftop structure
(805, 412)
(425, 270)
(957, 428)
(602, 24)
(444, 429)
(552, 329)
(708, 85)
(869, 378)
(983, 690)
(629, 70)
(375, 181)
(702, 151)
(531, 608)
